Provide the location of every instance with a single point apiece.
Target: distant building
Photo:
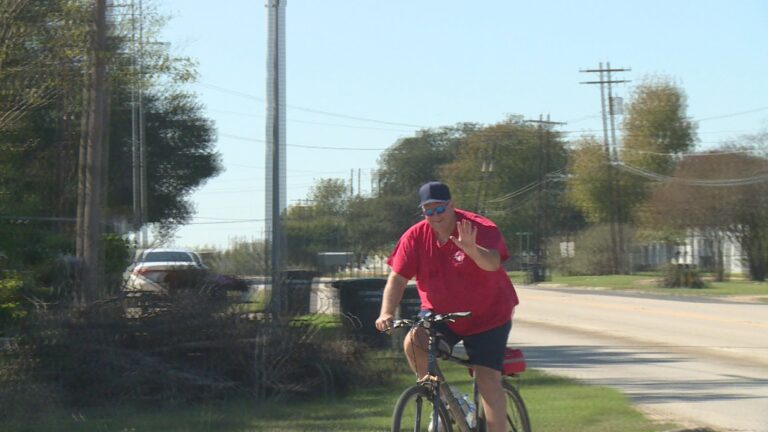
(697, 249)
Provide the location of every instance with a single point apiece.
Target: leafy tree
(319, 226)
(408, 164)
(413, 161)
(656, 131)
(42, 60)
(42, 45)
(603, 194)
(335, 221)
(365, 231)
(510, 171)
(12, 304)
(715, 195)
(180, 155)
(589, 187)
(330, 197)
(656, 126)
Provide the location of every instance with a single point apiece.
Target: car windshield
(167, 256)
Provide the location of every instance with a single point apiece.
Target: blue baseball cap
(434, 191)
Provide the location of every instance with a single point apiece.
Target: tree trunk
(718, 257)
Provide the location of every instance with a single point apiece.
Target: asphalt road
(700, 363)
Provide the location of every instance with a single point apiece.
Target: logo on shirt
(459, 256)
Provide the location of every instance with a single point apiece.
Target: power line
(226, 222)
(316, 111)
(527, 188)
(312, 110)
(314, 123)
(242, 138)
(734, 114)
(746, 181)
(691, 154)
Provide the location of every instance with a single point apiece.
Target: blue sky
(405, 64)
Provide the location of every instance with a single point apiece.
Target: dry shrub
(180, 349)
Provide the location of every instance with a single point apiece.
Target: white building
(698, 249)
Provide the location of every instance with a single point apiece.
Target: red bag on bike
(514, 361)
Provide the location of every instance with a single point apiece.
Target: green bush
(592, 252)
(682, 276)
(116, 259)
(241, 258)
(12, 308)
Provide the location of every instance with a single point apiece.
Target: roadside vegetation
(70, 358)
(554, 404)
(650, 283)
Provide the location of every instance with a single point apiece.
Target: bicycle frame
(434, 380)
(434, 387)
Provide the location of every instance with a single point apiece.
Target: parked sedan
(157, 276)
(162, 271)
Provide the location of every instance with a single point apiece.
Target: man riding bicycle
(456, 257)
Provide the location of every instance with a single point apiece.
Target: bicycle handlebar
(429, 317)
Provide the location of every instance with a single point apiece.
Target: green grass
(555, 405)
(647, 282)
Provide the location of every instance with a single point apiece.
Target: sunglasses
(433, 211)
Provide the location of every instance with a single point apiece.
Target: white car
(160, 270)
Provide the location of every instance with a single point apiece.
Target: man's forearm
(486, 259)
(393, 293)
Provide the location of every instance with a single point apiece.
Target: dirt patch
(661, 416)
(748, 298)
(648, 282)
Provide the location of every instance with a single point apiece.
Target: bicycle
(431, 406)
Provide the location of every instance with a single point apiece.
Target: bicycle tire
(517, 414)
(413, 412)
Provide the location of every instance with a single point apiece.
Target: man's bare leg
(415, 346)
(494, 398)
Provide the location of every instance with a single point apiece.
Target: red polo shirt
(450, 281)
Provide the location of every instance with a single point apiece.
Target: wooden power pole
(611, 156)
(89, 194)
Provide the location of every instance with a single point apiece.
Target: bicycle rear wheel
(413, 412)
(517, 414)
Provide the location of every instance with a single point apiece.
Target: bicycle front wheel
(517, 414)
(413, 412)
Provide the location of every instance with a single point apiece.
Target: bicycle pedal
(427, 379)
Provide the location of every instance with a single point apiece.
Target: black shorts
(483, 349)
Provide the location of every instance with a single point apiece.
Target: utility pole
(611, 157)
(142, 134)
(89, 229)
(542, 223)
(135, 161)
(276, 153)
(138, 134)
(486, 169)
